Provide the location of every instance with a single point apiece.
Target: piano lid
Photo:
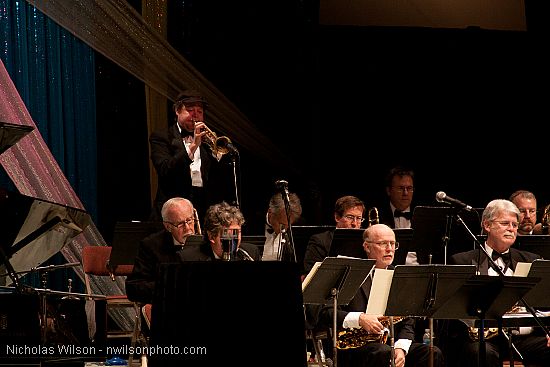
(11, 134)
(34, 229)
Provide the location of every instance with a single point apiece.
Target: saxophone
(358, 337)
(489, 332)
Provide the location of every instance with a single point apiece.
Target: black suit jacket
(477, 258)
(159, 248)
(172, 164)
(318, 247)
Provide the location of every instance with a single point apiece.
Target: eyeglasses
(507, 223)
(403, 188)
(527, 212)
(386, 244)
(353, 218)
(188, 221)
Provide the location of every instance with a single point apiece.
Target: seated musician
(500, 221)
(379, 244)
(168, 246)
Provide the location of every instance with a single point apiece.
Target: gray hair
(220, 216)
(171, 203)
(277, 204)
(497, 207)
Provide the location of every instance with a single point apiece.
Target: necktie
(505, 257)
(398, 213)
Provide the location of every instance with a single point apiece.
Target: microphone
(232, 149)
(281, 185)
(444, 198)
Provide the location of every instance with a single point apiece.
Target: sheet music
(379, 292)
(310, 275)
(522, 269)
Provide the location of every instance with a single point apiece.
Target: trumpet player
(184, 165)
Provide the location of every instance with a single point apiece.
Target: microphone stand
(234, 156)
(482, 350)
(284, 192)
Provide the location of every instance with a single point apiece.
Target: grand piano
(38, 324)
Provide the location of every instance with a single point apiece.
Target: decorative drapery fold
(35, 172)
(114, 29)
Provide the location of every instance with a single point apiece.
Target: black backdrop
(465, 108)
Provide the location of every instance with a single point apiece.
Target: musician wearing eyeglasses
(500, 221)
(171, 245)
(398, 212)
(527, 205)
(348, 213)
(380, 244)
(161, 247)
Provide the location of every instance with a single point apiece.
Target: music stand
(214, 308)
(485, 297)
(336, 280)
(126, 238)
(538, 296)
(425, 287)
(436, 232)
(347, 242)
(535, 243)
(404, 236)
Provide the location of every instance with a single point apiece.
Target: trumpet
(220, 145)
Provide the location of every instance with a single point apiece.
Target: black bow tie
(269, 229)
(398, 213)
(185, 133)
(505, 257)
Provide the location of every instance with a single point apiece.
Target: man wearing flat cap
(185, 164)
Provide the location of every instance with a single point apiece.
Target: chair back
(95, 261)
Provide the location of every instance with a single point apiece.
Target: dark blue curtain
(54, 74)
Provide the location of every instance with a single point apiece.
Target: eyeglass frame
(403, 188)
(188, 221)
(506, 223)
(353, 218)
(387, 244)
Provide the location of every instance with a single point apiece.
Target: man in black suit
(379, 244)
(168, 246)
(184, 161)
(348, 213)
(500, 221)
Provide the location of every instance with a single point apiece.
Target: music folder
(345, 274)
(347, 242)
(415, 290)
(537, 297)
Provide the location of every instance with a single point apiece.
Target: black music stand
(336, 280)
(404, 236)
(535, 243)
(126, 238)
(437, 233)
(538, 296)
(347, 242)
(485, 297)
(243, 313)
(425, 287)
